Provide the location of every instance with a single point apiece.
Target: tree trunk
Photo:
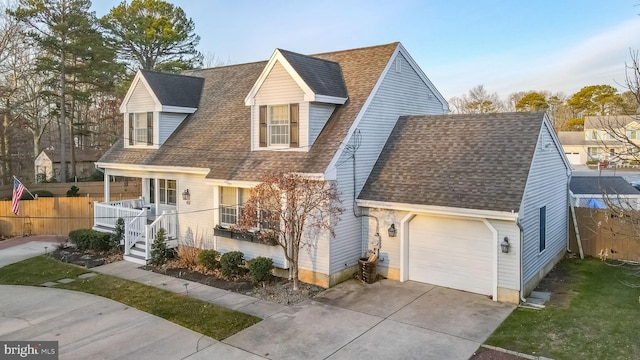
(4, 145)
(62, 177)
(72, 142)
(294, 267)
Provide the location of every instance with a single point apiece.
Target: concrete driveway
(385, 320)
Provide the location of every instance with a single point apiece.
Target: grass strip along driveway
(593, 314)
(205, 318)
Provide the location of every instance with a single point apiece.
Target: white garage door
(574, 158)
(449, 252)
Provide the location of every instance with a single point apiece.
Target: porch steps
(138, 249)
(135, 259)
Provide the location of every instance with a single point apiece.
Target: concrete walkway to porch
(228, 299)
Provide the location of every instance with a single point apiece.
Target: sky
(507, 46)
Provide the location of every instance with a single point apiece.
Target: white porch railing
(107, 214)
(134, 230)
(166, 221)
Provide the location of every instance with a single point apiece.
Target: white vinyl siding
(546, 186)
(140, 100)
(279, 88)
(400, 93)
(168, 123)
(252, 250)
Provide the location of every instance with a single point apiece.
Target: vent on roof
(398, 65)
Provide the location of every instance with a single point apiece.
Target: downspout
(522, 299)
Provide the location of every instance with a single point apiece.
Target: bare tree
(294, 210)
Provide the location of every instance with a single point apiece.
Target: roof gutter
(440, 210)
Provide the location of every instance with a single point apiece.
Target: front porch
(141, 224)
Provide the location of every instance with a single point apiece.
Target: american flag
(18, 189)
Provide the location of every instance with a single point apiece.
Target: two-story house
(199, 141)
(604, 138)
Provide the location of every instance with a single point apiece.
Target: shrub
(118, 232)
(188, 256)
(73, 192)
(209, 259)
(230, 263)
(159, 251)
(260, 269)
(89, 239)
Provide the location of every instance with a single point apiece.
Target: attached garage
(451, 252)
(573, 157)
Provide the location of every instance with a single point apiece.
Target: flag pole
(15, 178)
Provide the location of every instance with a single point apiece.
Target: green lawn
(205, 318)
(596, 317)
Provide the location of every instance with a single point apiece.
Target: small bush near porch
(593, 314)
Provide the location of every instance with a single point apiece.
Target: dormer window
(141, 128)
(279, 125)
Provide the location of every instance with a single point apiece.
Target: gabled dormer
(292, 100)
(155, 105)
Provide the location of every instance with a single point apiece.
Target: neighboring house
(603, 138)
(47, 164)
(603, 191)
(200, 141)
(456, 187)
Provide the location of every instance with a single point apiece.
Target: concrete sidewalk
(92, 327)
(22, 250)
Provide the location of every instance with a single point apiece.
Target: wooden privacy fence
(131, 188)
(48, 216)
(599, 231)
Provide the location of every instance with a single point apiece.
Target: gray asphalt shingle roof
(324, 77)
(174, 89)
(217, 135)
(587, 185)
(462, 161)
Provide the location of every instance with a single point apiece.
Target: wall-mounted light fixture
(393, 231)
(186, 195)
(504, 245)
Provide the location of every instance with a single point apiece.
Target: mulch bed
(279, 290)
(489, 354)
(88, 259)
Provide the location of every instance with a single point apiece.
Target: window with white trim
(231, 201)
(279, 125)
(542, 222)
(141, 128)
(168, 192)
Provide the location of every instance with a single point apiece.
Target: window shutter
(131, 115)
(263, 126)
(149, 128)
(294, 112)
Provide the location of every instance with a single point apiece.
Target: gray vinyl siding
(169, 122)
(546, 186)
(279, 88)
(318, 116)
(400, 93)
(508, 264)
